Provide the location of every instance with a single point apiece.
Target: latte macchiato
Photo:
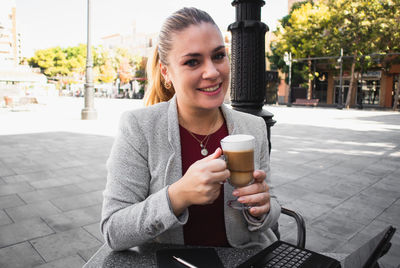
(239, 155)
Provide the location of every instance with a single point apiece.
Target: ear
(164, 71)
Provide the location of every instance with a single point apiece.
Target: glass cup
(238, 152)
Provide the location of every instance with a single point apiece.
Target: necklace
(203, 143)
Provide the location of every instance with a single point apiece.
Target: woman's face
(198, 67)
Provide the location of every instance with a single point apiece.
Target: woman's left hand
(255, 195)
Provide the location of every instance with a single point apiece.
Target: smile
(210, 89)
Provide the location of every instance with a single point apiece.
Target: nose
(210, 70)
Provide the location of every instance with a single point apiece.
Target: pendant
(204, 152)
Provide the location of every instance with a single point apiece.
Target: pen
(184, 262)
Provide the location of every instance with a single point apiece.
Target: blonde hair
(177, 22)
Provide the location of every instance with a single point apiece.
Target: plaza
(340, 169)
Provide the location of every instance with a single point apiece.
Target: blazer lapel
(174, 165)
(173, 170)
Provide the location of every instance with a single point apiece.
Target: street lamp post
(288, 61)
(248, 83)
(89, 113)
(340, 97)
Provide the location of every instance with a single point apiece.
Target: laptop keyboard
(286, 256)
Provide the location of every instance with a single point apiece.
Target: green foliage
(359, 27)
(69, 64)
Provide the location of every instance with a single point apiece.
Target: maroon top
(206, 223)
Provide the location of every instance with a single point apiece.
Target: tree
(107, 72)
(355, 30)
(76, 59)
(51, 61)
(303, 34)
(359, 27)
(125, 71)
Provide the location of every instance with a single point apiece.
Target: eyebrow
(198, 54)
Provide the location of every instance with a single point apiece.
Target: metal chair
(301, 227)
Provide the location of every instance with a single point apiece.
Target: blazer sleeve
(271, 218)
(130, 216)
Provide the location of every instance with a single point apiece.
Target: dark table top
(144, 256)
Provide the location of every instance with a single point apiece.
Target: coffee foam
(237, 143)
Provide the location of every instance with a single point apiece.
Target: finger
(255, 199)
(216, 165)
(256, 187)
(220, 177)
(259, 211)
(216, 154)
(259, 175)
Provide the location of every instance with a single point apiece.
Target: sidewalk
(339, 168)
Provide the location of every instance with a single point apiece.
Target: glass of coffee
(238, 151)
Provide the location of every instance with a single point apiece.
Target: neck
(202, 122)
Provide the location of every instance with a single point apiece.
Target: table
(144, 256)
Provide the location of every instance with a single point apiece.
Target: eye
(191, 62)
(219, 56)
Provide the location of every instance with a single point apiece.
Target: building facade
(10, 41)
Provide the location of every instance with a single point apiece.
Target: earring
(167, 84)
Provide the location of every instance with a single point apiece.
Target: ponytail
(156, 91)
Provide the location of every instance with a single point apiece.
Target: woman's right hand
(201, 183)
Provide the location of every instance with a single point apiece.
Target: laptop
(285, 255)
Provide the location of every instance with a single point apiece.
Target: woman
(165, 179)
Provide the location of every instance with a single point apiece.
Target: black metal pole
(248, 83)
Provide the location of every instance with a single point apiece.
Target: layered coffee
(239, 154)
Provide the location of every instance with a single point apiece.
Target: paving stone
(94, 229)
(51, 193)
(86, 254)
(6, 171)
(7, 189)
(308, 209)
(22, 231)
(342, 190)
(379, 191)
(321, 241)
(38, 176)
(372, 200)
(64, 244)
(79, 201)
(9, 201)
(74, 218)
(32, 211)
(362, 180)
(57, 182)
(314, 183)
(288, 193)
(323, 199)
(391, 214)
(358, 212)
(19, 255)
(4, 218)
(93, 185)
(337, 224)
(74, 261)
(14, 179)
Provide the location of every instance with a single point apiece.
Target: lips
(210, 89)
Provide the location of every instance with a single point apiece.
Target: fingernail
(235, 193)
(240, 199)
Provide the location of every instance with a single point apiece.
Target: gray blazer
(146, 158)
